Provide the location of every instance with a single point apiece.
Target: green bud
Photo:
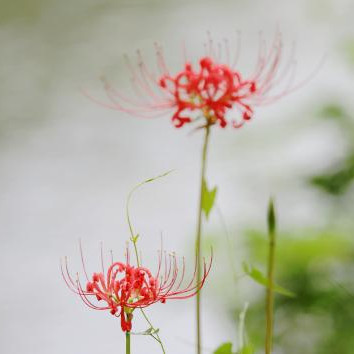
(271, 217)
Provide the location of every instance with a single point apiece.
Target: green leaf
(208, 198)
(225, 348)
(247, 349)
(261, 279)
(134, 238)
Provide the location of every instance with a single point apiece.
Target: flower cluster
(214, 90)
(125, 287)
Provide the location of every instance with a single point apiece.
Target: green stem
(270, 293)
(127, 342)
(199, 234)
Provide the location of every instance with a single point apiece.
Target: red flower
(214, 91)
(125, 287)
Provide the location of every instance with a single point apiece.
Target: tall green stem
(270, 273)
(199, 234)
(127, 342)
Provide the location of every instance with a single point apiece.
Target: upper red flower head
(213, 90)
(125, 287)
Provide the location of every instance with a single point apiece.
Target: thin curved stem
(133, 236)
(134, 239)
(199, 235)
(157, 338)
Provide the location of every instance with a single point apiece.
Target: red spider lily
(125, 287)
(214, 90)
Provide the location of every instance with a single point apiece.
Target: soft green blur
(317, 267)
(316, 264)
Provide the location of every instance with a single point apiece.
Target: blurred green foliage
(338, 178)
(23, 10)
(317, 267)
(333, 110)
(349, 50)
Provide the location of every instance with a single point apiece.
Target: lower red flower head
(124, 287)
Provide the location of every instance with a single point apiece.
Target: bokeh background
(68, 164)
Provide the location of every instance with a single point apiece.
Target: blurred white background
(67, 164)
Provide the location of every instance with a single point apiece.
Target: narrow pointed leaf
(260, 278)
(134, 239)
(208, 199)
